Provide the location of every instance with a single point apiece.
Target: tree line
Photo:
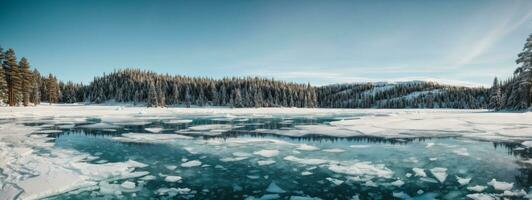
(515, 93)
(19, 85)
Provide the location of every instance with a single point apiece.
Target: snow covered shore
(477, 124)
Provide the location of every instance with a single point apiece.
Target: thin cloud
(509, 23)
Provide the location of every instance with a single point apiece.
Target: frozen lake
(108, 152)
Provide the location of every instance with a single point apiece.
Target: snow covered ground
(31, 168)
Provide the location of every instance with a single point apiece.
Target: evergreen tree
(14, 78)
(152, 96)
(524, 59)
(495, 95)
(35, 96)
(3, 87)
(3, 79)
(53, 89)
(26, 80)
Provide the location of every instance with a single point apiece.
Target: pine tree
(495, 95)
(35, 96)
(3, 87)
(26, 80)
(53, 89)
(152, 96)
(14, 78)
(524, 59)
(3, 79)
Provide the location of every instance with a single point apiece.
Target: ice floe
(172, 178)
(274, 188)
(419, 172)
(463, 181)
(334, 150)
(192, 163)
(440, 173)
(477, 188)
(500, 185)
(267, 153)
(306, 147)
(265, 162)
(154, 129)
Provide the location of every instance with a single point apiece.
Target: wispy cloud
(512, 17)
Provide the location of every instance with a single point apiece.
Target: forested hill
(410, 94)
(138, 86)
(144, 87)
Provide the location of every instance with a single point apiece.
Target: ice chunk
(419, 172)
(527, 143)
(334, 150)
(401, 195)
(233, 159)
(267, 153)
(500, 185)
(269, 197)
(306, 147)
(192, 163)
(480, 196)
(306, 161)
(335, 181)
(253, 176)
(178, 121)
(477, 188)
(303, 198)
(172, 179)
(306, 173)
(154, 130)
(463, 181)
(148, 178)
(362, 168)
(265, 162)
(128, 185)
(398, 183)
(170, 167)
(241, 154)
(274, 188)
(440, 173)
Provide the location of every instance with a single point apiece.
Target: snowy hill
(407, 94)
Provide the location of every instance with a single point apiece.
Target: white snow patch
(267, 153)
(440, 173)
(463, 181)
(419, 172)
(500, 185)
(477, 188)
(265, 162)
(192, 163)
(306, 147)
(172, 178)
(154, 130)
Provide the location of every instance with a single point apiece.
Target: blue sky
(320, 42)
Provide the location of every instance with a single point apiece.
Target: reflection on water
(231, 165)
